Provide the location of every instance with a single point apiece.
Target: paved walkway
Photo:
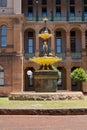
(42, 122)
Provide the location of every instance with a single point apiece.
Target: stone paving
(43, 122)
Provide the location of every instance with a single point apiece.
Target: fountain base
(45, 81)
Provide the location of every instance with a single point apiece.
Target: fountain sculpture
(45, 79)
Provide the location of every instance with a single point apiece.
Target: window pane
(44, 11)
(73, 45)
(58, 11)
(44, 2)
(58, 1)
(72, 11)
(72, 34)
(30, 50)
(30, 11)
(30, 34)
(30, 45)
(3, 30)
(1, 74)
(30, 42)
(30, 2)
(3, 41)
(72, 1)
(1, 77)
(3, 36)
(3, 3)
(85, 11)
(85, 1)
(58, 34)
(58, 45)
(1, 81)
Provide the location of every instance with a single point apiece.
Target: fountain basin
(45, 80)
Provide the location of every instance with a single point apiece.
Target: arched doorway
(62, 78)
(29, 81)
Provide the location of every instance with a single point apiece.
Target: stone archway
(28, 86)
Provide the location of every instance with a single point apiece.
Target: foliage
(79, 75)
(55, 69)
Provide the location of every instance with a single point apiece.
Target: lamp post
(36, 10)
(30, 75)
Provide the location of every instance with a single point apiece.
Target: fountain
(45, 79)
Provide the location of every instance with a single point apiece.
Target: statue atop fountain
(45, 48)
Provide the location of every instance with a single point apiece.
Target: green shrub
(79, 75)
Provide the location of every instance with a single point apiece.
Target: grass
(5, 103)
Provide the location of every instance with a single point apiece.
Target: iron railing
(76, 55)
(61, 55)
(57, 18)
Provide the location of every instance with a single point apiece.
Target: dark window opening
(85, 11)
(73, 41)
(58, 34)
(72, 1)
(30, 2)
(58, 11)
(30, 11)
(44, 11)
(44, 2)
(85, 1)
(58, 1)
(72, 11)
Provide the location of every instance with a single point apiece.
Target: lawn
(5, 103)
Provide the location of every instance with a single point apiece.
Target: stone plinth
(45, 81)
(60, 95)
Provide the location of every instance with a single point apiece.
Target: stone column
(37, 44)
(68, 78)
(53, 43)
(83, 50)
(83, 44)
(68, 54)
(17, 6)
(17, 38)
(17, 74)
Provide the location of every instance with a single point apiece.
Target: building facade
(20, 23)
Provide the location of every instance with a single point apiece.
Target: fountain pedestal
(45, 81)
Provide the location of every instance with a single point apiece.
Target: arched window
(1, 76)
(3, 36)
(3, 3)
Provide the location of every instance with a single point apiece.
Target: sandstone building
(20, 23)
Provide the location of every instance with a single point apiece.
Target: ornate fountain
(45, 79)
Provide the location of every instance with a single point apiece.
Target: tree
(79, 75)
